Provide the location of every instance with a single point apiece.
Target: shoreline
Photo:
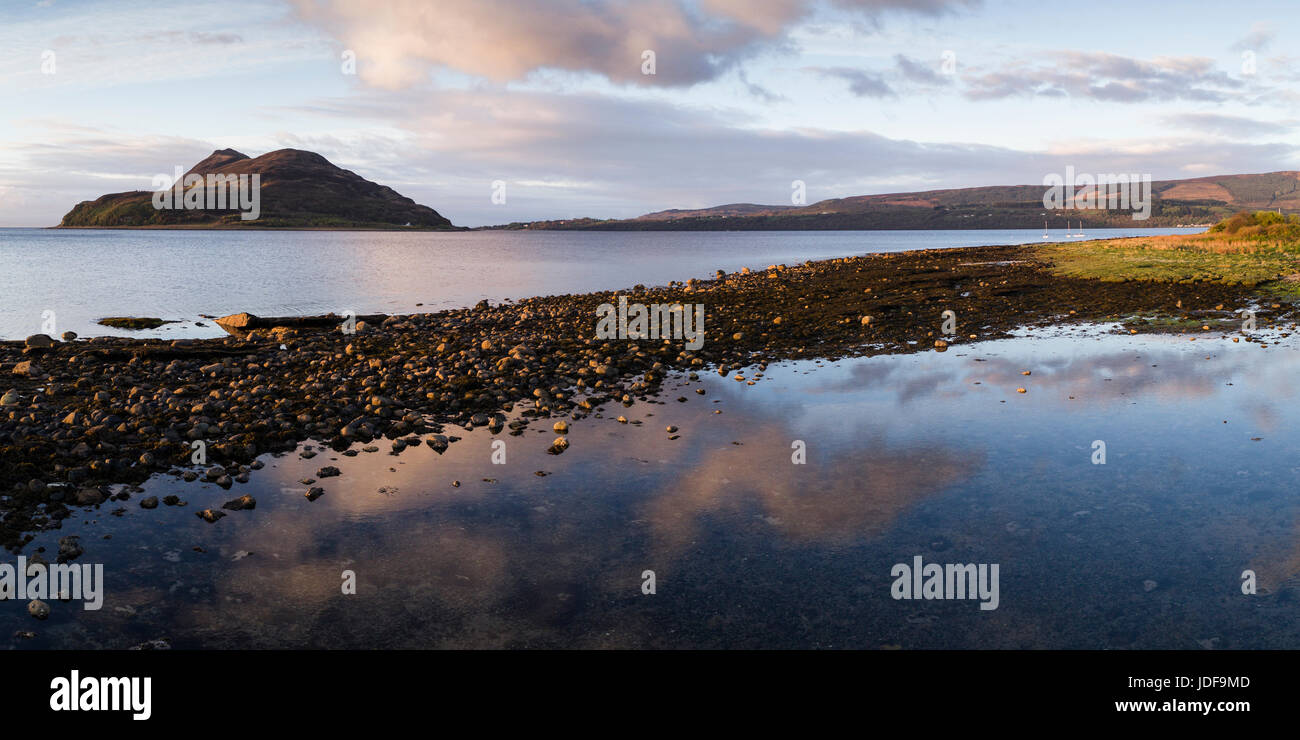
(196, 227)
(89, 413)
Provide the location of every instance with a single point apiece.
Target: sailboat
(1044, 228)
(1080, 228)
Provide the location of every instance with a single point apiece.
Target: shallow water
(79, 276)
(931, 454)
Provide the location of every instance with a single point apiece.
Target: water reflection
(933, 454)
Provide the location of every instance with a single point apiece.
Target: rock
(559, 445)
(210, 516)
(70, 548)
(149, 503)
(38, 609)
(39, 341)
(27, 369)
(241, 503)
(560, 427)
(89, 496)
(940, 344)
(133, 322)
(237, 322)
(329, 471)
(670, 429)
(68, 336)
(10, 398)
(76, 418)
(438, 442)
(314, 493)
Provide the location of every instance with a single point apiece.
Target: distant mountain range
(298, 189)
(1200, 200)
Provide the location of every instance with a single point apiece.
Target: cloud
(117, 44)
(1107, 77)
(1260, 36)
(1238, 127)
(862, 83)
(758, 91)
(919, 72)
(570, 155)
(606, 156)
(399, 42)
(906, 75)
(62, 163)
(192, 37)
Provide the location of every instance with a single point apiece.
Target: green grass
(1166, 323)
(1196, 258)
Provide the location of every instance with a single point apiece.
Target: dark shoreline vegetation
(78, 416)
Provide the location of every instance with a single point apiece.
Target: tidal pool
(931, 454)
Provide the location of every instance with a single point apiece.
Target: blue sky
(849, 96)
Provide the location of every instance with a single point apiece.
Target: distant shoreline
(246, 228)
(625, 228)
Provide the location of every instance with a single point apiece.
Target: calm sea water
(932, 454)
(84, 275)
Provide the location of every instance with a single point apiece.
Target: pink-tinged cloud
(399, 42)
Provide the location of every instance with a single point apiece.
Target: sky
(443, 99)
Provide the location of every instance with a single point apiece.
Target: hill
(1195, 201)
(298, 189)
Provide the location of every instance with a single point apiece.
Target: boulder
(237, 322)
(40, 341)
